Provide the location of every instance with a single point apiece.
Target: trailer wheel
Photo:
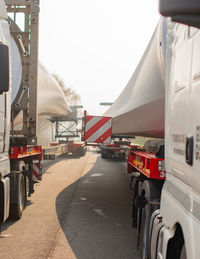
(150, 192)
(141, 231)
(27, 187)
(143, 235)
(18, 201)
(82, 152)
(103, 156)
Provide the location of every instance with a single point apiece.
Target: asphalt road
(81, 210)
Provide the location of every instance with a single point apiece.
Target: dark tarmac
(81, 210)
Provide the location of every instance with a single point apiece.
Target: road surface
(81, 210)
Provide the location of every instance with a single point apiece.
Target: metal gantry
(27, 42)
(66, 126)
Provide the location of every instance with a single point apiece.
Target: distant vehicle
(116, 149)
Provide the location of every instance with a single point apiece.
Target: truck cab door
(177, 118)
(194, 107)
(4, 88)
(2, 122)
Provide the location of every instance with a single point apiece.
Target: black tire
(103, 156)
(151, 191)
(18, 201)
(27, 187)
(82, 152)
(147, 211)
(143, 234)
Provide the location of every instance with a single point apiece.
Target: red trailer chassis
(147, 164)
(32, 156)
(147, 177)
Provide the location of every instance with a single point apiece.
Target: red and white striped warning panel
(98, 129)
(37, 172)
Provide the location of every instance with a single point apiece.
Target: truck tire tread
(17, 207)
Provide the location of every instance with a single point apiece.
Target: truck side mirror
(182, 11)
(4, 68)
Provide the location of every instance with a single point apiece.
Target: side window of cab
(4, 68)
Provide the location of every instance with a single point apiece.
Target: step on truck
(20, 156)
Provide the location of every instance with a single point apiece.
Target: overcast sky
(95, 45)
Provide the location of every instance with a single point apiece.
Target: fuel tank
(139, 109)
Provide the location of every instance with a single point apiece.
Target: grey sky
(93, 45)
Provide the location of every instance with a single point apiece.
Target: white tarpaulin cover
(3, 13)
(51, 99)
(139, 110)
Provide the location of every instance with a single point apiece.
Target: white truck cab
(180, 200)
(176, 226)
(5, 95)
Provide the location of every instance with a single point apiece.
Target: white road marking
(101, 213)
(96, 174)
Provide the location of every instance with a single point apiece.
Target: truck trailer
(19, 161)
(174, 229)
(161, 100)
(24, 112)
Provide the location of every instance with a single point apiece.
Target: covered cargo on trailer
(139, 109)
(50, 102)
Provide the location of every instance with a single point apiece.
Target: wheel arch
(4, 198)
(175, 243)
(151, 190)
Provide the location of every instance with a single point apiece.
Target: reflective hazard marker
(37, 172)
(98, 129)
